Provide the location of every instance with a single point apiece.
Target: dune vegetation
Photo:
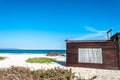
(2, 58)
(21, 73)
(40, 60)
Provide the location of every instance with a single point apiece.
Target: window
(90, 55)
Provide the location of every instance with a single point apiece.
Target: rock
(54, 54)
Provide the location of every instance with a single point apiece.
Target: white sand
(19, 60)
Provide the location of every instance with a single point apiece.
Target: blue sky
(45, 24)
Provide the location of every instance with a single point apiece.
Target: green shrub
(40, 60)
(54, 74)
(2, 58)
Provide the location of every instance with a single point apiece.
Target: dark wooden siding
(109, 54)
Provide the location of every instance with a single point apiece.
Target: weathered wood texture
(119, 49)
(116, 37)
(110, 54)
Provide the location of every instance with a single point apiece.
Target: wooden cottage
(104, 54)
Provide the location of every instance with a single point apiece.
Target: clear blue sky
(45, 24)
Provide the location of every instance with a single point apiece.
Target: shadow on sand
(63, 63)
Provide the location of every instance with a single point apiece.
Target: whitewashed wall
(90, 55)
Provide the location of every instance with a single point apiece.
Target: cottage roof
(111, 39)
(77, 41)
(115, 35)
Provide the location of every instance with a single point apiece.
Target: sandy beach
(20, 60)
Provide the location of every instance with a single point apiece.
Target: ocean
(32, 51)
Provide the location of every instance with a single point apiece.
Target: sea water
(32, 51)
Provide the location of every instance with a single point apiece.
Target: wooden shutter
(90, 55)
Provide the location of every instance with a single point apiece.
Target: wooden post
(108, 34)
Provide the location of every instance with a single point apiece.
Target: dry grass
(21, 73)
(15, 73)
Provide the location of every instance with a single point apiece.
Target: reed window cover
(90, 55)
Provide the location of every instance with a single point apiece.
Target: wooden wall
(119, 48)
(116, 37)
(109, 54)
